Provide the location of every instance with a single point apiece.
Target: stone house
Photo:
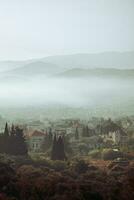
(35, 141)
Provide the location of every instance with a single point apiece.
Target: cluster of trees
(55, 146)
(12, 141)
(86, 132)
(75, 181)
(58, 151)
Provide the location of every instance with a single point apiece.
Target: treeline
(12, 141)
(86, 132)
(74, 180)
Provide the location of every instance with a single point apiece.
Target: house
(36, 125)
(118, 137)
(36, 141)
(112, 131)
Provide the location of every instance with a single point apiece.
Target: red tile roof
(38, 133)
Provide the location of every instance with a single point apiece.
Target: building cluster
(94, 133)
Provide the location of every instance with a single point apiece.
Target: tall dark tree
(48, 140)
(16, 142)
(3, 143)
(76, 133)
(13, 143)
(58, 152)
(4, 140)
(21, 146)
(60, 149)
(50, 137)
(6, 131)
(12, 131)
(85, 132)
(54, 148)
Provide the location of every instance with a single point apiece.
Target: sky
(38, 28)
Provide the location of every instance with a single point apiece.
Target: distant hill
(100, 73)
(11, 65)
(36, 68)
(9, 79)
(118, 60)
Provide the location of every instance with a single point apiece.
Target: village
(83, 136)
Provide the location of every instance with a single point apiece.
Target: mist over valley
(50, 82)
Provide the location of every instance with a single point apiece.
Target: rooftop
(38, 133)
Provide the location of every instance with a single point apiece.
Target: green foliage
(59, 165)
(7, 159)
(16, 143)
(75, 180)
(76, 134)
(83, 148)
(48, 140)
(85, 132)
(95, 154)
(67, 145)
(80, 166)
(13, 144)
(131, 144)
(58, 152)
(109, 154)
(6, 131)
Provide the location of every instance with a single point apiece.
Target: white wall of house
(35, 143)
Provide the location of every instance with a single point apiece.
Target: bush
(59, 165)
(29, 171)
(83, 148)
(95, 154)
(110, 154)
(4, 158)
(81, 166)
(7, 175)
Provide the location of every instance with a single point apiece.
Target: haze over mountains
(78, 62)
(36, 68)
(101, 60)
(79, 80)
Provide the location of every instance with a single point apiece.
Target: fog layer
(73, 92)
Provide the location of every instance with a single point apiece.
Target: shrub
(95, 154)
(110, 154)
(59, 165)
(83, 148)
(81, 166)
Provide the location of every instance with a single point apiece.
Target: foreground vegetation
(26, 178)
(64, 169)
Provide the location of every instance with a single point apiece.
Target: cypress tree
(12, 131)
(17, 144)
(5, 139)
(21, 146)
(48, 139)
(58, 152)
(85, 131)
(76, 134)
(60, 149)
(6, 131)
(54, 148)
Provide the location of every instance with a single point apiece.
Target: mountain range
(99, 73)
(108, 64)
(120, 60)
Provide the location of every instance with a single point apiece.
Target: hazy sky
(37, 28)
